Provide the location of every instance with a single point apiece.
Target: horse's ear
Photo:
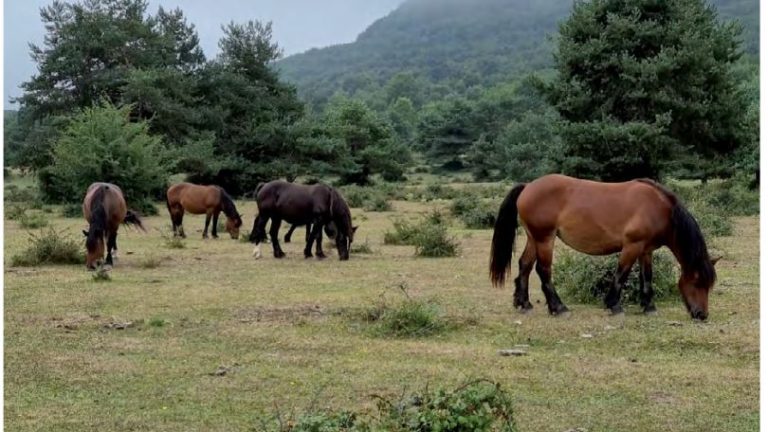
(715, 260)
(85, 233)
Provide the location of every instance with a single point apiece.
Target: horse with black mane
(633, 218)
(319, 205)
(198, 199)
(104, 208)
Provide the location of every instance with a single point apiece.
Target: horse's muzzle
(699, 315)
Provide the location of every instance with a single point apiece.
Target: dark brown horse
(197, 199)
(329, 229)
(633, 218)
(318, 205)
(104, 208)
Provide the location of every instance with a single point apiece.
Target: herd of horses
(631, 218)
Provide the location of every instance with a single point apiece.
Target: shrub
(16, 211)
(49, 247)
(476, 406)
(712, 222)
(436, 191)
(411, 318)
(145, 207)
(32, 220)
(587, 279)
(482, 216)
(72, 210)
(378, 203)
(432, 241)
(731, 197)
(103, 144)
(171, 241)
(404, 234)
(361, 248)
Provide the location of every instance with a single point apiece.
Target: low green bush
(378, 203)
(49, 247)
(433, 241)
(72, 210)
(404, 233)
(29, 220)
(476, 406)
(586, 279)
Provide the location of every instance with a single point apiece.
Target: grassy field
(286, 334)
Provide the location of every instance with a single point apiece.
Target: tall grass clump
(476, 213)
(49, 247)
(32, 220)
(587, 279)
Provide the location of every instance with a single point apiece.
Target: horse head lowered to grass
(632, 218)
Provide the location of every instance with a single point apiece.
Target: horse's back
(113, 201)
(296, 203)
(196, 199)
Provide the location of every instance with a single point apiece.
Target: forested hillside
(448, 46)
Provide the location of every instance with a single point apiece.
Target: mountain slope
(454, 41)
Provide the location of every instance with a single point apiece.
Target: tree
(369, 145)
(446, 130)
(403, 117)
(97, 50)
(641, 81)
(103, 144)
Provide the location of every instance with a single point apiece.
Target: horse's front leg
(215, 226)
(319, 241)
(288, 235)
(274, 231)
(627, 258)
(646, 286)
(207, 222)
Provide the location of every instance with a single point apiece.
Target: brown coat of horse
(208, 200)
(104, 208)
(633, 218)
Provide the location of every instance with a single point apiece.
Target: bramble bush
(49, 247)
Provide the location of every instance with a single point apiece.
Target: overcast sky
(298, 25)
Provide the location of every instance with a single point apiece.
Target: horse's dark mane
(228, 205)
(98, 222)
(342, 217)
(688, 240)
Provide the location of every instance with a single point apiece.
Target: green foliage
(432, 241)
(35, 220)
(586, 279)
(367, 144)
(476, 406)
(378, 203)
(615, 63)
(72, 210)
(475, 212)
(102, 144)
(171, 241)
(361, 248)
(49, 247)
(404, 234)
(410, 319)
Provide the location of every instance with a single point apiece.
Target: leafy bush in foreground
(477, 406)
(429, 236)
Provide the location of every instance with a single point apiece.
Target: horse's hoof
(280, 255)
(320, 256)
(257, 252)
(651, 311)
(617, 311)
(307, 256)
(561, 310)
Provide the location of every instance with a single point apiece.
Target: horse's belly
(593, 241)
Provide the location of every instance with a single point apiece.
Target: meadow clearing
(207, 338)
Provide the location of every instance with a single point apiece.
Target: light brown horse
(198, 199)
(632, 218)
(104, 208)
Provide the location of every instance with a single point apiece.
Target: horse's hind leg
(258, 234)
(627, 258)
(288, 235)
(544, 270)
(274, 232)
(526, 262)
(207, 222)
(646, 286)
(177, 218)
(111, 245)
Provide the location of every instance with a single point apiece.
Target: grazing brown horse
(197, 199)
(104, 208)
(633, 218)
(318, 205)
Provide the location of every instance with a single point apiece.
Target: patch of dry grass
(68, 367)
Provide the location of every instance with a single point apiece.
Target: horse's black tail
(503, 244)
(258, 188)
(133, 218)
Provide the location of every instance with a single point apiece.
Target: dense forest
(504, 89)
